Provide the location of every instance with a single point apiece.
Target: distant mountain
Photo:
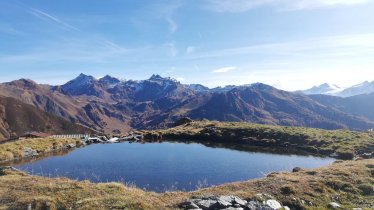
(198, 88)
(16, 118)
(360, 105)
(325, 89)
(334, 90)
(112, 105)
(109, 80)
(83, 85)
(264, 104)
(363, 88)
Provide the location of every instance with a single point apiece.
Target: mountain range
(334, 90)
(116, 106)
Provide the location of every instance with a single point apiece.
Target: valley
(109, 105)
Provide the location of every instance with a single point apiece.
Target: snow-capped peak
(109, 80)
(326, 89)
(363, 88)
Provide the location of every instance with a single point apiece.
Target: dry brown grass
(341, 182)
(19, 190)
(15, 150)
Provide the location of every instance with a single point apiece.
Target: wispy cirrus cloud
(8, 29)
(172, 48)
(225, 69)
(167, 12)
(173, 25)
(47, 17)
(321, 47)
(235, 6)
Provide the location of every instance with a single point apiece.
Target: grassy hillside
(349, 183)
(16, 118)
(347, 144)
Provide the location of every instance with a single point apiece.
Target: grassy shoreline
(350, 183)
(28, 148)
(345, 144)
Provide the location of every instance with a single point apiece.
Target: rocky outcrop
(333, 205)
(259, 202)
(29, 152)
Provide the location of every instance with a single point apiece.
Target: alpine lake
(167, 166)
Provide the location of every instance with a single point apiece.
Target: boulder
(205, 204)
(233, 208)
(221, 204)
(69, 146)
(333, 205)
(273, 204)
(28, 152)
(183, 121)
(189, 205)
(225, 198)
(255, 205)
(259, 202)
(296, 169)
(237, 200)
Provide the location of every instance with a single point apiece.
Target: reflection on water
(19, 162)
(167, 166)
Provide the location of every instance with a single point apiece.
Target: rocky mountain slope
(16, 118)
(356, 105)
(115, 106)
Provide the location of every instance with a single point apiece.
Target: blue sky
(290, 44)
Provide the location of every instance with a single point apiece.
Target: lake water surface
(167, 166)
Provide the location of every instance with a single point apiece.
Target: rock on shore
(259, 202)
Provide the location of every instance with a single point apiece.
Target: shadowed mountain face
(264, 104)
(356, 105)
(16, 118)
(111, 105)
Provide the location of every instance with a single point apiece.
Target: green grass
(345, 143)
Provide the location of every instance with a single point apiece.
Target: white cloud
(172, 49)
(322, 47)
(190, 50)
(167, 11)
(246, 5)
(225, 69)
(180, 79)
(173, 26)
(45, 16)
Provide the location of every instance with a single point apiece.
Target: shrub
(287, 190)
(339, 185)
(366, 189)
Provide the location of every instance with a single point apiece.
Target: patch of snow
(363, 88)
(325, 89)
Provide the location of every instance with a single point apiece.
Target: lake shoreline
(347, 182)
(304, 189)
(28, 149)
(340, 144)
(168, 166)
